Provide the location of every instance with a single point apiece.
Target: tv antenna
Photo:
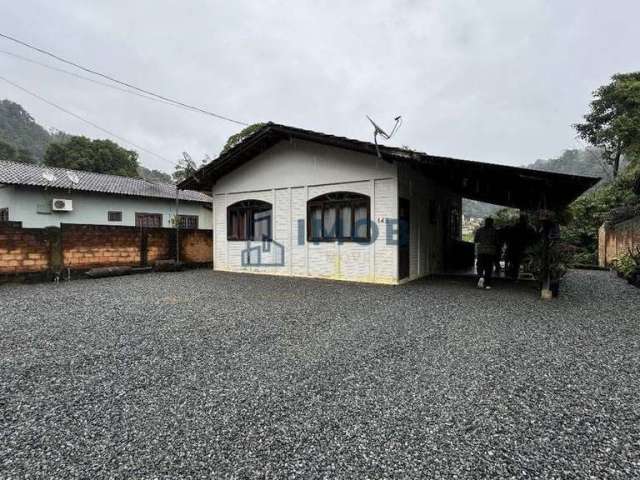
(379, 131)
(73, 177)
(49, 176)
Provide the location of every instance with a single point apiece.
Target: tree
(99, 156)
(613, 122)
(155, 176)
(19, 129)
(187, 167)
(235, 139)
(7, 152)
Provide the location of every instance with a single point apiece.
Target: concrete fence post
(56, 255)
(602, 245)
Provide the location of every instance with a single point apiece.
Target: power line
(88, 79)
(108, 77)
(89, 122)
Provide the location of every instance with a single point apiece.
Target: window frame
(4, 214)
(184, 219)
(339, 200)
(248, 208)
(118, 213)
(140, 215)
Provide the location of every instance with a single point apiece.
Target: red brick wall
(23, 250)
(89, 246)
(196, 246)
(82, 247)
(159, 244)
(616, 240)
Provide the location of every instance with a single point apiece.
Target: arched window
(340, 216)
(249, 220)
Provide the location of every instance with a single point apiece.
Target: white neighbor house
(42, 197)
(289, 201)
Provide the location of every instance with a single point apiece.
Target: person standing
(486, 240)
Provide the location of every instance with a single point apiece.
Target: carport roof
(499, 184)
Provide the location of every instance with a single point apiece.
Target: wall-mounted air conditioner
(61, 205)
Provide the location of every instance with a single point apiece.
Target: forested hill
(21, 133)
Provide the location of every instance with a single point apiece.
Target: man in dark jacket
(486, 240)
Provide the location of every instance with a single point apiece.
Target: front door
(404, 234)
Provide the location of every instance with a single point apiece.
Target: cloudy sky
(495, 81)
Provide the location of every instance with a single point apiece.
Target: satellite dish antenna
(49, 176)
(379, 131)
(73, 177)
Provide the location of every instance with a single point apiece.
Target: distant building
(41, 197)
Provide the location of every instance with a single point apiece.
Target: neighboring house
(41, 197)
(295, 202)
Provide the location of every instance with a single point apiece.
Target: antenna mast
(379, 131)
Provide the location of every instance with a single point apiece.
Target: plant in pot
(560, 257)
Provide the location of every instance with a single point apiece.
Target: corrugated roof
(499, 184)
(15, 173)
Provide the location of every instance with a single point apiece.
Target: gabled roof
(27, 174)
(499, 184)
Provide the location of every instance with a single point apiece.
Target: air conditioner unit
(61, 205)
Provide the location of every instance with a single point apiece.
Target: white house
(295, 202)
(41, 197)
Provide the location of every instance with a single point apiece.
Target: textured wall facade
(615, 240)
(81, 247)
(290, 174)
(23, 250)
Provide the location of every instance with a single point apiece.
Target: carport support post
(545, 292)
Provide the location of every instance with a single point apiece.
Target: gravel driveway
(210, 375)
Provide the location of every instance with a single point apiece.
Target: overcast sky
(495, 81)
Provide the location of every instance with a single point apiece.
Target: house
(42, 197)
(345, 209)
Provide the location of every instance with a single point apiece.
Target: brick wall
(196, 246)
(617, 239)
(81, 247)
(23, 250)
(160, 244)
(89, 246)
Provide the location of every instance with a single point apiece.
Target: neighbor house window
(188, 222)
(249, 220)
(149, 220)
(4, 214)
(340, 216)
(114, 216)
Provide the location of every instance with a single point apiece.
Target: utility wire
(108, 77)
(88, 79)
(89, 122)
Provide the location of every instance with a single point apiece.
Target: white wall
(92, 208)
(289, 174)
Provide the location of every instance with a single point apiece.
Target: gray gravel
(211, 375)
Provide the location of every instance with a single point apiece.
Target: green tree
(20, 130)
(186, 167)
(155, 176)
(7, 152)
(613, 122)
(99, 156)
(235, 139)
